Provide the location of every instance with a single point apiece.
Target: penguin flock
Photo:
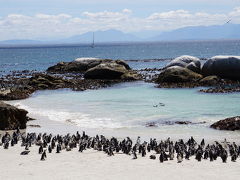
(165, 149)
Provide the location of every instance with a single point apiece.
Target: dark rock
(15, 94)
(178, 74)
(223, 66)
(156, 124)
(189, 62)
(11, 117)
(210, 80)
(106, 71)
(45, 81)
(110, 70)
(232, 124)
(81, 65)
(34, 125)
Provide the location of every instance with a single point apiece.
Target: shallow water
(125, 108)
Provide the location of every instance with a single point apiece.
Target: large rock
(223, 66)
(12, 117)
(82, 64)
(177, 74)
(210, 81)
(232, 123)
(110, 70)
(188, 62)
(45, 81)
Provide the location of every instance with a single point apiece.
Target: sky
(56, 19)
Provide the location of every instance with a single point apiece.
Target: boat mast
(93, 43)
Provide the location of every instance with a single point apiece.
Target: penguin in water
(44, 155)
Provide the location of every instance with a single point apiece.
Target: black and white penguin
(179, 157)
(44, 155)
(40, 150)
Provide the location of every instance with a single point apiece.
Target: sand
(91, 165)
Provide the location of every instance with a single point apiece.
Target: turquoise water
(124, 109)
(127, 107)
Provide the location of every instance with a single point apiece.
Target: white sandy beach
(91, 165)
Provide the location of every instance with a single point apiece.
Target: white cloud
(49, 26)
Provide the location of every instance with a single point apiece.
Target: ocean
(124, 109)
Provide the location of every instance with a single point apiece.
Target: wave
(79, 119)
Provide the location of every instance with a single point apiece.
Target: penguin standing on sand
(49, 149)
(58, 148)
(134, 155)
(161, 157)
(224, 156)
(40, 150)
(179, 157)
(44, 155)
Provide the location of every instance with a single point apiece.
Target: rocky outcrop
(94, 68)
(156, 124)
(110, 70)
(81, 65)
(12, 117)
(175, 74)
(189, 62)
(232, 124)
(223, 66)
(44, 81)
(210, 81)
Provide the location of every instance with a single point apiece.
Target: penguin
(40, 150)
(43, 155)
(179, 157)
(27, 147)
(234, 157)
(58, 148)
(161, 157)
(134, 155)
(24, 153)
(224, 156)
(152, 157)
(6, 145)
(171, 155)
(206, 154)
(202, 143)
(187, 155)
(49, 149)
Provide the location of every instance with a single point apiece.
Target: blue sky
(49, 19)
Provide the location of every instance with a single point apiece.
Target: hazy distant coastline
(190, 33)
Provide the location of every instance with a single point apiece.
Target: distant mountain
(102, 36)
(20, 42)
(217, 32)
(226, 31)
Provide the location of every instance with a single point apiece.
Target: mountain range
(216, 32)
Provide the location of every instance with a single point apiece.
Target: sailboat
(93, 43)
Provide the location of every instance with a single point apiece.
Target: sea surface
(124, 109)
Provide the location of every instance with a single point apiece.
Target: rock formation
(12, 117)
(232, 123)
(223, 66)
